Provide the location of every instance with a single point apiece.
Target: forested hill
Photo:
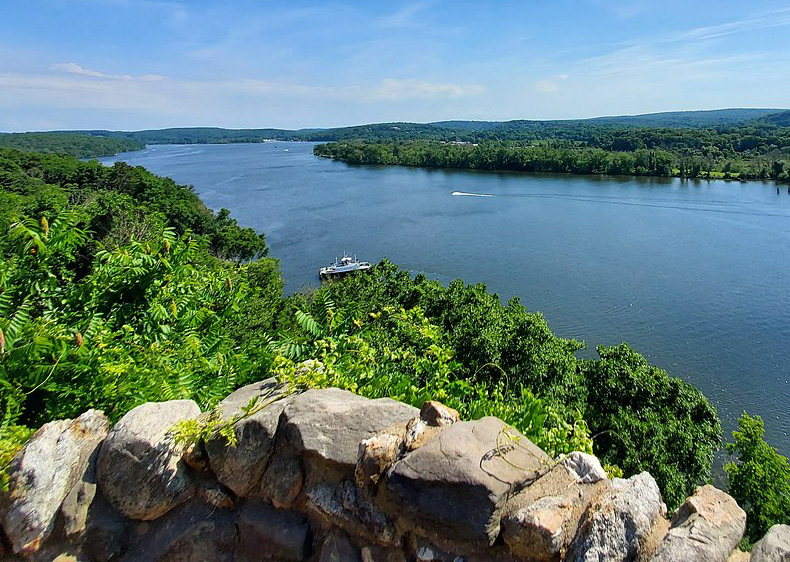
(75, 144)
(714, 118)
(742, 121)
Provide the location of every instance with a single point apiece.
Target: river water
(692, 274)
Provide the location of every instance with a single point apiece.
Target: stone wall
(327, 475)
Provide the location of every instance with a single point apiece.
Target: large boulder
(43, 473)
(616, 525)
(140, 470)
(458, 482)
(240, 466)
(707, 527)
(774, 546)
(327, 426)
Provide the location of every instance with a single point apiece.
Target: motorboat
(343, 266)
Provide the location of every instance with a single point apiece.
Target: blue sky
(136, 64)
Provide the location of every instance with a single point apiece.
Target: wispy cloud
(404, 17)
(393, 88)
(550, 85)
(74, 68)
(763, 20)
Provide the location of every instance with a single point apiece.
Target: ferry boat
(343, 266)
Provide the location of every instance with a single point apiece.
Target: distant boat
(343, 266)
(467, 194)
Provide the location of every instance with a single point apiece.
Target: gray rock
(707, 527)
(89, 522)
(43, 473)
(617, 524)
(586, 469)
(329, 424)
(458, 481)
(541, 520)
(192, 532)
(774, 546)
(140, 470)
(338, 547)
(267, 533)
(283, 480)
(241, 466)
(341, 505)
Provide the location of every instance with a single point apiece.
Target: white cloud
(393, 88)
(74, 68)
(550, 85)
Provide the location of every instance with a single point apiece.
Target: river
(692, 274)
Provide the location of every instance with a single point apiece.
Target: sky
(149, 64)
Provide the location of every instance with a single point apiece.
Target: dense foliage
(640, 417)
(75, 144)
(759, 478)
(625, 152)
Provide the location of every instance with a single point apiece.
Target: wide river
(695, 275)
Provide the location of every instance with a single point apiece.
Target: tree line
(562, 157)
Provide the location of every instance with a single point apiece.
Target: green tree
(759, 478)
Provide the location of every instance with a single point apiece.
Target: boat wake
(465, 194)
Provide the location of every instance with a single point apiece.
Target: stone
(43, 473)
(271, 534)
(215, 494)
(376, 553)
(585, 468)
(283, 480)
(706, 527)
(196, 457)
(341, 505)
(191, 532)
(240, 466)
(774, 546)
(418, 433)
(426, 551)
(458, 481)
(376, 455)
(327, 425)
(140, 470)
(437, 414)
(616, 525)
(338, 547)
(90, 522)
(541, 520)
(741, 556)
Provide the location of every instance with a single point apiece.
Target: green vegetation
(118, 287)
(759, 478)
(625, 152)
(75, 144)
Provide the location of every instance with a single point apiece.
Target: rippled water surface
(693, 274)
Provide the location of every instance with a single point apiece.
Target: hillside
(578, 129)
